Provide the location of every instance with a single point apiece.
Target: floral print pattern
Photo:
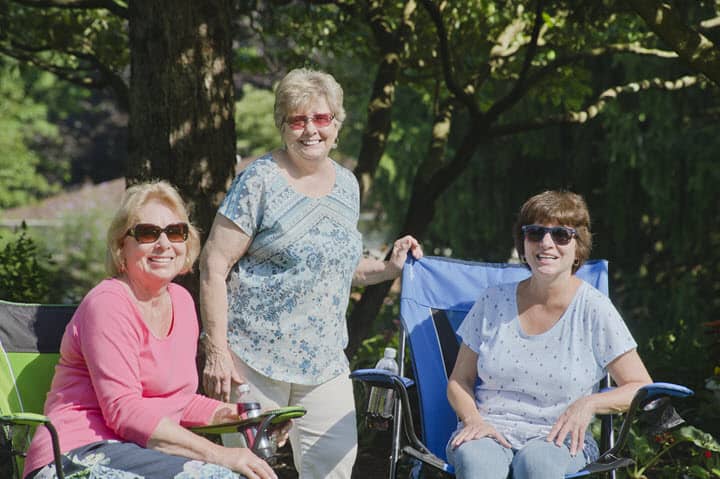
(96, 462)
(288, 295)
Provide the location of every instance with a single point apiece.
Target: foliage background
(647, 164)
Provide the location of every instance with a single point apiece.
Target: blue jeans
(484, 458)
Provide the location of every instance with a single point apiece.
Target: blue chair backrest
(436, 295)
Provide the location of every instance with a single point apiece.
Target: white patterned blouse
(288, 294)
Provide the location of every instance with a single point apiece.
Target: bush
(25, 269)
(686, 452)
(57, 264)
(78, 249)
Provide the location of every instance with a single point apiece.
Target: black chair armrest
(386, 379)
(651, 400)
(380, 377)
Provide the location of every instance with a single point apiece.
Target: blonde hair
(562, 207)
(126, 217)
(300, 87)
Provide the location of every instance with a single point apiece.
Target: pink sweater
(116, 380)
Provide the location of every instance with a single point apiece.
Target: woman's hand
(282, 432)
(372, 271)
(219, 372)
(461, 396)
(573, 421)
(476, 428)
(401, 248)
(250, 465)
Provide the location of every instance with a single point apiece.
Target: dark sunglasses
(149, 233)
(561, 235)
(299, 122)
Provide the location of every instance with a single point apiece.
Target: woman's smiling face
(547, 257)
(313, 142)
(154, 264)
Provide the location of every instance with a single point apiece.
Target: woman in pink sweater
(125, 385)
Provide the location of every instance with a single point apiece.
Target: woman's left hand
(282, 432)
(573, 421)
(401, 248)
(372, 271)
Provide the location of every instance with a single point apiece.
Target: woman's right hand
(219, 372)
(250, 465)
(476, 428)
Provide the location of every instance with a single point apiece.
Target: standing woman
(524, 385)
(276, 273)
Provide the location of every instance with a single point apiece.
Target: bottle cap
(390, 353)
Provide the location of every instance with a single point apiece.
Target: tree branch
(710, 23)
(83, 79)
(692, 46)
(551, 69)
(110, 78)
(519, 89)
(463, 96)
(593, 110)
(116, 8)
(97, 77)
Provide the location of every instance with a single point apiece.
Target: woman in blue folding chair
(525, 382)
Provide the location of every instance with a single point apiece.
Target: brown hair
(126, 216)
(562, 207)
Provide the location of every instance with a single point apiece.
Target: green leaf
(699, 438)
(699, 472)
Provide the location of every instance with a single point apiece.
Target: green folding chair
(30, 336)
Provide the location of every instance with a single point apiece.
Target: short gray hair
(300, 87)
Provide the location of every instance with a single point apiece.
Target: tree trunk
(182, 124)
(392, 43)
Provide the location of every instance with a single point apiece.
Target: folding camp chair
(436, 295)
(30, 336)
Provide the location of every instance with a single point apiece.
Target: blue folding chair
(436, 295)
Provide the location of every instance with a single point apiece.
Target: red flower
(708, 454)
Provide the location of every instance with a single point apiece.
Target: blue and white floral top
(288, 294)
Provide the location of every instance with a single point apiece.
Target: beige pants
(324, 441)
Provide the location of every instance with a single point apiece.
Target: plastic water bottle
(382, 400)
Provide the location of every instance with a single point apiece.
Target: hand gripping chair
(30, 336)
(436, 295)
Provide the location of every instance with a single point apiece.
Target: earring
(523, 259)
(576, 262)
